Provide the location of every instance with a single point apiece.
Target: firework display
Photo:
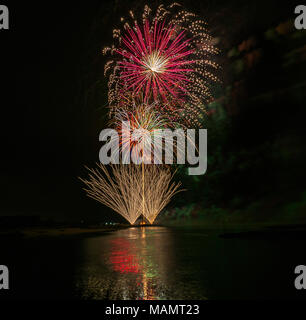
(141, 135)
(122, 189)
(155, 61)
(168, 56)
(159, 77)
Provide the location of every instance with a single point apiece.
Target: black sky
(47, 136)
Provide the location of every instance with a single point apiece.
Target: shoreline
(224, 231)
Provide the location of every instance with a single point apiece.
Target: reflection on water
(135, 263)
(155, 263)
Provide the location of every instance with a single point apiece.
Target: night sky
(51, 64)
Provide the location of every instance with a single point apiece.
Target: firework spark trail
(155, 63)
(168, 56)
(130, 101)
(119, 192)
(122, 190)
(141, 133)
(158, 190)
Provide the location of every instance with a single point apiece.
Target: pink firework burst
(156, 61)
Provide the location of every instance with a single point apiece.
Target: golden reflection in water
(132, 263)
(140, 257)
(148, 292)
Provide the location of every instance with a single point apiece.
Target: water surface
(154, 263)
